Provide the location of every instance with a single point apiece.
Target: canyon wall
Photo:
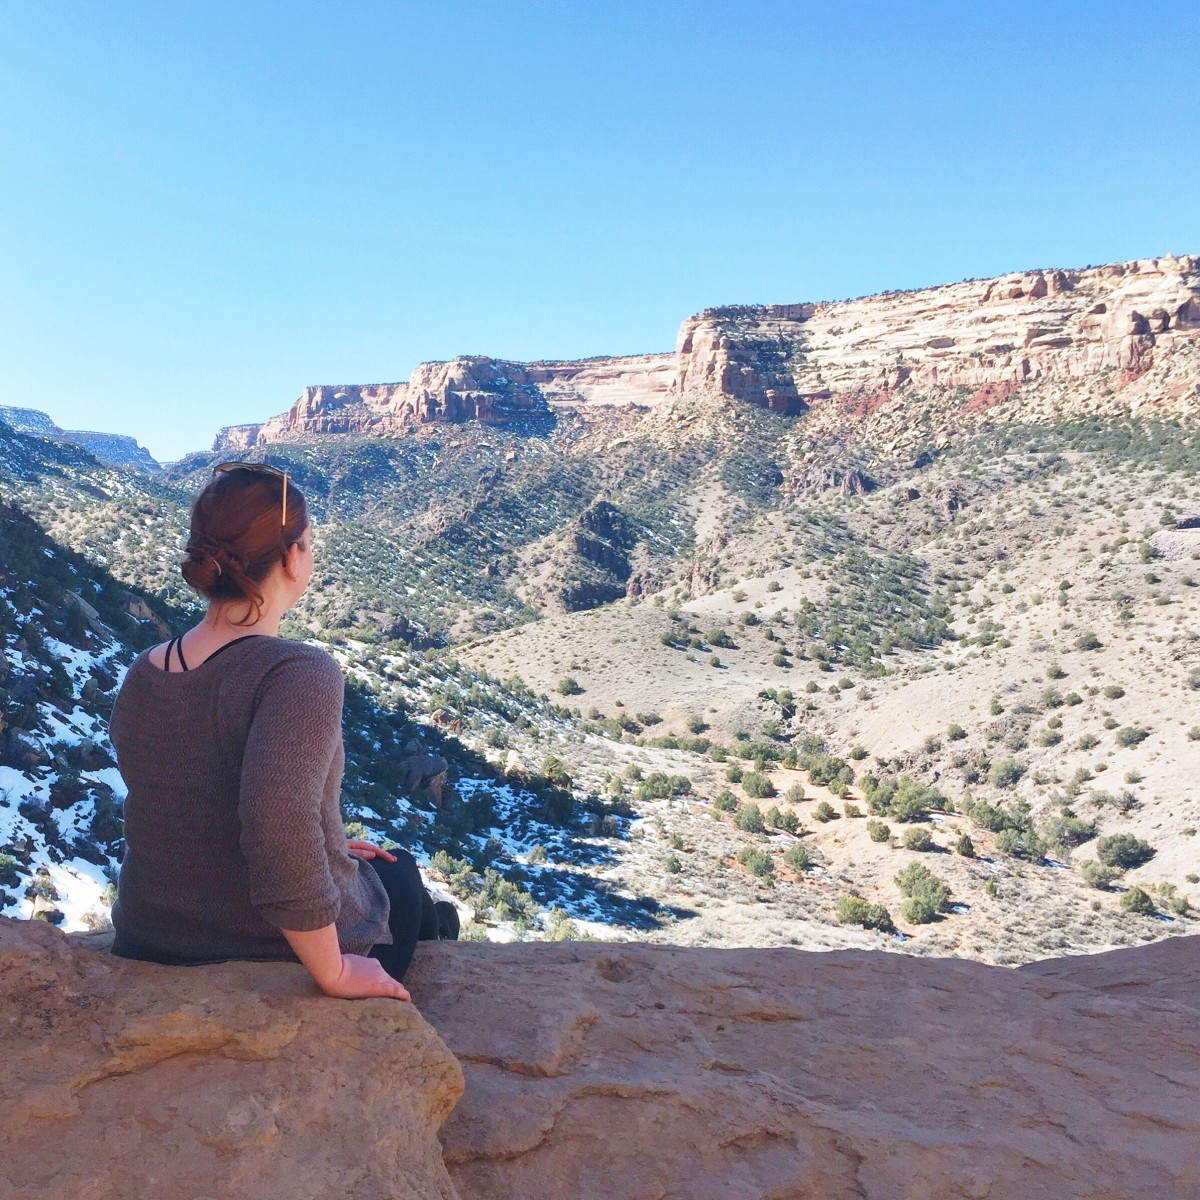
(1114, 324)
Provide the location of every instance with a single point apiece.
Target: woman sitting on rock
(229, 741)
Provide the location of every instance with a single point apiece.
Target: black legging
(412, 918)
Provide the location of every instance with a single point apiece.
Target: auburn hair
(236, 536)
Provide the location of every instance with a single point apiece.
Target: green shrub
(956, 733)
(1005, 773)
(965, 846)
(917, 838)
(1023, 843)
(824, 812)
(757, 785)
(1114, 691)
(725, 801)
(854, 910)
(850, 809)
(1131, 735)
(756, 862)
(1096, 874)
(927, 894)
(1136, 900)
(720, 639)
(660, 786)
(734, 773)
(786, 821)
(1088, 641)
(674, 866)
(797, 858)
(918, 910)
(878, 831)
(1068, 830)
(1123, 851)
(569, 686)
(794, 794)
(904, 799)
(9, 875)
(749, 819)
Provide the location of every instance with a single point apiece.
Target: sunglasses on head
(260, 469)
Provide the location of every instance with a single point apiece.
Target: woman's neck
(220, 624)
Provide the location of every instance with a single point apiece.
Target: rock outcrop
(127, 1081)
(985, 335)
(602, 1070)
(488, 390)
(1130, 330)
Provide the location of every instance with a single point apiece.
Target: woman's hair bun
(203, 565)
(240, 530)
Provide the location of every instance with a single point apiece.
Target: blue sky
(207, 205)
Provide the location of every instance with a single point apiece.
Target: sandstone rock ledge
(596, 1070)
(655, 1072)
(127, 1081)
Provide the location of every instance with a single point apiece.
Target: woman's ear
(291, 560)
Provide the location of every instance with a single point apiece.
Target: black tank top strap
(175, 644)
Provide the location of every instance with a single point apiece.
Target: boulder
(129, 1081)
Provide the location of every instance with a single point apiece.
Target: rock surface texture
(598, 1071)
(127, 1081)
(1125, 336)
(602, 1070)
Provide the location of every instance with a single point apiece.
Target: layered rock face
(488, 390)
(601, 1071)
(1138, 322)
(990, 336)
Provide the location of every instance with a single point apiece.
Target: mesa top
(233, 829)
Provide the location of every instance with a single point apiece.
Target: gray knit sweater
(232, 824)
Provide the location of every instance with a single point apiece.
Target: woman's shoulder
(299, 659)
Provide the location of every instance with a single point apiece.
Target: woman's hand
(357, 848)
(347, 976)
(362, 977)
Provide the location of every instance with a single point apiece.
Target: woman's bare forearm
(348, 976)
(319, 951)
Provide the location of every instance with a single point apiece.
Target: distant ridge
(1124, 337)
(116, 448)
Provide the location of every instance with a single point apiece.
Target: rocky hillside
(907, 663)
(581, 1072)
(115, 448)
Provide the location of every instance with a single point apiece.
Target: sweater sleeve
(294, 735)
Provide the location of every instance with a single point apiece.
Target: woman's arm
(347, 976)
